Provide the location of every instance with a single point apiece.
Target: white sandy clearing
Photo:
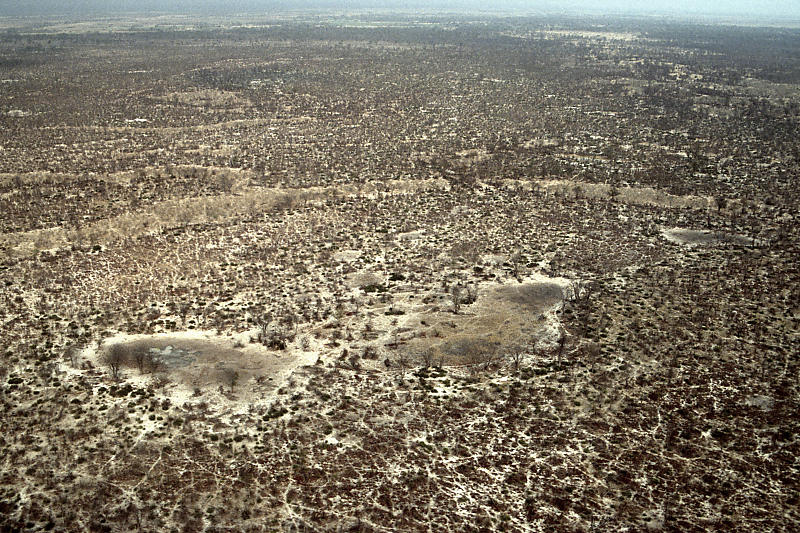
(347, 256)
(700, 237)
(505, 316)
(261, 371)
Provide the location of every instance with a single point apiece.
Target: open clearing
(704, 237)
(199, 362)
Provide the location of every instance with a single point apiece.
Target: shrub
(374, 287)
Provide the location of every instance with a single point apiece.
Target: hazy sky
(771, 9)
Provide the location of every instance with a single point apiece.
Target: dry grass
(177, 213)
(204, 361)
(207, 98)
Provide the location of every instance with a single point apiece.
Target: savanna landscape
(376, 272)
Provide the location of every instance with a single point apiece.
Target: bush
(374, 287)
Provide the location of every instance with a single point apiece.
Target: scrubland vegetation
(389, 274)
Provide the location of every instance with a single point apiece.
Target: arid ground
(395, 273)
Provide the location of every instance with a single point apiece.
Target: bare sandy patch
(202, 362)
(176, 213)
(504, 317)
(700, 237)
(207, 98)
(471, 156)
(347, 256)
(594, 35)
(363, 279)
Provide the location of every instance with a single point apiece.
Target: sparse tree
(73, 354)
(230, 377)
(427, 356)
(516, 264)
(370, 352)
(305, 343)
(115, 357)
(225, 183)
(153, 362)
(263, 328)
(456, 295)
(561, 343)
(478, 356)
(353, 361)
(141, 356)
(291, 322)
(516, 354)
(471, 295)
(696, 159)
(592, 351)
(403, 363)
(46, 371)
(580, 290)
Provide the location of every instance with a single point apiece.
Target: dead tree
(517, 354)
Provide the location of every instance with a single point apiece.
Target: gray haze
(726, 9)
